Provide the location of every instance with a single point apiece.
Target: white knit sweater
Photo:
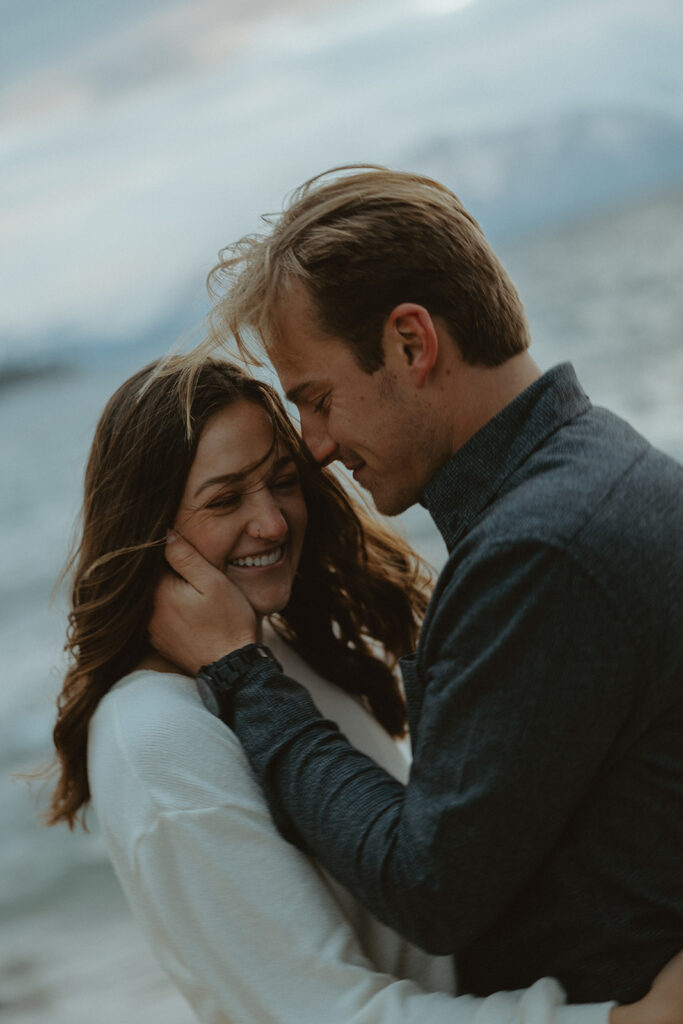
(250, 930)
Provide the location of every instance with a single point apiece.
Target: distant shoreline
(16, 374)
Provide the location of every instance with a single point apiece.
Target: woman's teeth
(259, 560)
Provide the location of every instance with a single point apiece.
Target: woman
(249, 929)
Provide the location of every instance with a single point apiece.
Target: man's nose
(319, 443)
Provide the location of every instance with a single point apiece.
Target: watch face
(208, 696)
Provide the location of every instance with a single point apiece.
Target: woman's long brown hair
(356, 601)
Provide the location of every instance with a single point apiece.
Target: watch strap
(217, 681)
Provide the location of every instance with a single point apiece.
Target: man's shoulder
(595, 470)
(597, 502)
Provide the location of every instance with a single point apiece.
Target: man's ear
(411, 344)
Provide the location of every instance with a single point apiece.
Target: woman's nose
(267, 521)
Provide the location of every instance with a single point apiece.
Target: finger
(189, 563)
(170, 585)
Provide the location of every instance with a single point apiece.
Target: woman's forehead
(237, 444)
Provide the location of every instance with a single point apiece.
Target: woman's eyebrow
(235, 478)
(280, 463)
(224, 478)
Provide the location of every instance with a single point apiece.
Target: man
(542, 827)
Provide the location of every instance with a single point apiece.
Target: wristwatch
(216, 682)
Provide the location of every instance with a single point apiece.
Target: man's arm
(519, 712)
(243, 922)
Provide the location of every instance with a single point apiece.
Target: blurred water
(605, 294)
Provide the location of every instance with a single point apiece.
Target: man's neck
(481, 392)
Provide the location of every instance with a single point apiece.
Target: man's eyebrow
(295, 394)
(236, 478)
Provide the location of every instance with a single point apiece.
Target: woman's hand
(199, 614)
(662, 1005)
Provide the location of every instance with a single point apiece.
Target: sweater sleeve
(517, 717)
(243, 922)
(277, 949)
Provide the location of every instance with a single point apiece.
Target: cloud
(133, 156)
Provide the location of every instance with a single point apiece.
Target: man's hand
(662, 1005)
(199, 615)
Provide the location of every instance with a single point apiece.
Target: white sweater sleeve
(242, 921)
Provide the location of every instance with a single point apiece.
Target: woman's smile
(267, 560)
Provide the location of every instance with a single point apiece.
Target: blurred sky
(137, 138)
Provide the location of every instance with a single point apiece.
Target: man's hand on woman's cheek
(199, 614)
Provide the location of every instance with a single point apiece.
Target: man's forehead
(299, 363)
(293, 313)
(297, 374)
(303, 355)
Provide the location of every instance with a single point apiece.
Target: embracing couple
(293, 867)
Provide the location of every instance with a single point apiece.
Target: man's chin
(392, 504)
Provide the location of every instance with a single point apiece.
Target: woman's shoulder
(147, 703)
(152, 737)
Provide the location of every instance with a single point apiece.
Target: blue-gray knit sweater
(541, 831)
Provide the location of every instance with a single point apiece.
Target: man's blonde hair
(362, 240)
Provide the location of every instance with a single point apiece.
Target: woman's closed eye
(286, 482)
(224, 502)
